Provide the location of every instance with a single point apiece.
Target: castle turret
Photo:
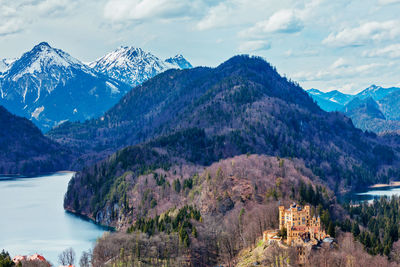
(289, 236)
(281, 217)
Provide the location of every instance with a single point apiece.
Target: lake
(375, 193)
(33, 220)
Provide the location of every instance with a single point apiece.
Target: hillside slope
(189, 138)
(239, 107)
(24, 149)
(230, 204)
(148, 188)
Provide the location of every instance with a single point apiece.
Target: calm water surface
(376, 193)
(32, 218)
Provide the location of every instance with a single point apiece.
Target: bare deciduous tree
(85, 259)
(67, 257)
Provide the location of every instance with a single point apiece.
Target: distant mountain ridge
(134, 66)
(49, 87)
(179, 61)
(374, 109)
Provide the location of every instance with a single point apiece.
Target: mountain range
(134, 66)
(202, 115)
(49, 87)
(204, 156)
(374, 109)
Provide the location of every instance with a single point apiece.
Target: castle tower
(289, 236)
(307, 210)
(281, 217)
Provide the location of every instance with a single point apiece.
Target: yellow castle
(299, 224)
(300, 227)
(303, 231)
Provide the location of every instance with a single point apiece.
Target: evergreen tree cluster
(167, 223)
(318, 198)
(376, 224)
(5, 259)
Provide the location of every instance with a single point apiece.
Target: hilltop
(243, 106)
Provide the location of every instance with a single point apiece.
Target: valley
(199, 160)
(155, 133)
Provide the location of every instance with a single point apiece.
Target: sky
(330, 45)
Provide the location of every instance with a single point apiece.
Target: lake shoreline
(18, 176)
(50, 229)
(391, 184)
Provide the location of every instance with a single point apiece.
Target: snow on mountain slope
(135, 66)
(376, 92)
(47, 85)
(330, 101)
(374, 108)
(5, 64)
(39, 70)
(179, 61)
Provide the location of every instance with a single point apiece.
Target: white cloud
(283, 21)
(339, 70)
(339, 63)
(16, 16)
(390, 51)
(387, 2)
(252, 46)
(218, 16)
(375, 31)
(11, 26)
(348, 88)
(232, 13)
(55, 7)
(9, 21)
(150, 9)
(301, 53)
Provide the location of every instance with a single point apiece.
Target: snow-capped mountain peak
(123, 57)
(134, 65)
(41, 59)
(314, 91)
(376, 92)
(179, 61)
(49, 86)
(373, 88)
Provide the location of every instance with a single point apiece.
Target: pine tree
(331, 229)
(355, 229)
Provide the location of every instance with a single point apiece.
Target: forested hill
(160, 105)
(185, 125)
(242, 106)
(24, 149)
